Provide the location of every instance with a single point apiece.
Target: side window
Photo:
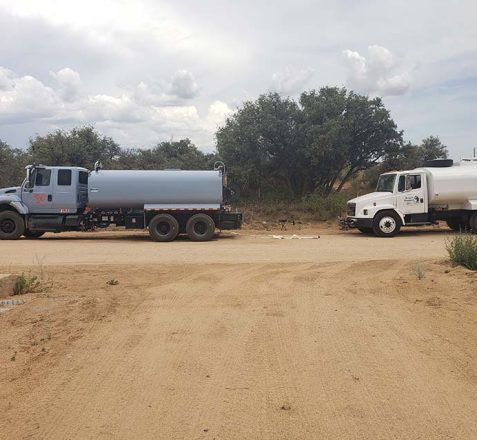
(64, 177)
(409, 182)
(42, 177)
(83, 178)
(414, 181)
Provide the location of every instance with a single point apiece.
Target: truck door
(412, 194)
(65, 198)
(39, 195)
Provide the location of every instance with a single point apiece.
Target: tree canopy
(316, 144)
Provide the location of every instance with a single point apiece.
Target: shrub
(25, 284)
(325, 208)
(419, 271)
(462, 250)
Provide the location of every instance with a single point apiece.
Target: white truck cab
(418, 197)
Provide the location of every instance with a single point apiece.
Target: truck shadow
(412, 233)
(124, 237)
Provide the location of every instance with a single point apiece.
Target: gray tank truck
(166, 202)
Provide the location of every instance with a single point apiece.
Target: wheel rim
(7, 226)
(200, 228)
(387, 225)
(163, 228)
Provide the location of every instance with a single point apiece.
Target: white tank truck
(166, 202)
(438, 191)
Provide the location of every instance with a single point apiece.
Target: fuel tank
(136, 188)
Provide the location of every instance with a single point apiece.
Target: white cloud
(183, 85)
(132, 111)
(375, 75)
(291, 80)
(69, 82)
(23, 98)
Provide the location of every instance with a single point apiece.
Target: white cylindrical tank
(136, 188)
(452, 185)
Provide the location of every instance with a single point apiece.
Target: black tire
(473, 222)
(366, 231)
(386, 224)
(163, 227)
(32, 234)
(12, 225)
(200, 227)
(457, 224)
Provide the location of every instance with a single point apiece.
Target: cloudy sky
(144, 71)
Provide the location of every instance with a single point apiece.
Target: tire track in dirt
(263, 351)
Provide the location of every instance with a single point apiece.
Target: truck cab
(49, 199)
(401, 198)
(55, 190)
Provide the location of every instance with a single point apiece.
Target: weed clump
(419, 271)
(25, 284)
(462, 250)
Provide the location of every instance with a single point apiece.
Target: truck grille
(351, 209)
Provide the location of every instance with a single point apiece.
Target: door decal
(40, 198)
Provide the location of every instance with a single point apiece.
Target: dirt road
(242, 338)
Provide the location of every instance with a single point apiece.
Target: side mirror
(28, 181)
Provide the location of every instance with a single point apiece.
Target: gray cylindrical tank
(136, 188)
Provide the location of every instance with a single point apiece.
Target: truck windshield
(386, 183)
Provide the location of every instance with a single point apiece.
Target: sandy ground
(245, 337)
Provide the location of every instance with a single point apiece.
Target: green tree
(81, 146)
(12, 165)
(182, 154)
(261, 143)
(346, 134)
(284, 147)
(407, 157)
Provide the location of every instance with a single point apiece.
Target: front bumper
(356, 222)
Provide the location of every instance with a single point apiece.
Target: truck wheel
(11, 225)
(32, 234)
(456, 224)
(386, 224)
(473, 222)
(163, 227)
(200, 227)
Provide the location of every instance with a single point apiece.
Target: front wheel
(386, 224)
(200, 227)
(12, 225)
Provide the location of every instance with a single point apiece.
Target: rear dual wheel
(473, 222)
(165, 227)
(457, 224)
(200, 227)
